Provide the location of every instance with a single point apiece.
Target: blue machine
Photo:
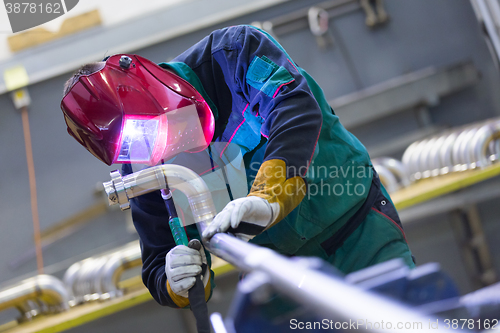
(257, 307)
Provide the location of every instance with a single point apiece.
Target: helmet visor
(153, 139)
(138, 140)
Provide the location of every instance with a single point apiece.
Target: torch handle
(178, 231)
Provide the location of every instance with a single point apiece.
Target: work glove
(256, 213)
(182, 264)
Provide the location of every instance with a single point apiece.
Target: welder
(312, 189)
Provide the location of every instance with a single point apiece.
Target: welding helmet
(130, 110)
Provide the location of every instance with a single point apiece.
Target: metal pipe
(474, 156)
(446, 153)
(480, 143)
(324, 293)
(494, 149)
(81, 286)
(434, 162)
(396, 167)
(456, 150)
(218, 323)
(466, 146)
(423, 162)
(332, 297)
(97, 278)
(110, 275)
(407, 157)
(415, 159)
(91, 288)
(45, 289)
(29, 310)
(387, 178)
(121, 189)
(70, 277)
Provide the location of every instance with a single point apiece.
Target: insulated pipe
(70, 276)
(494, 148)
(407, 156)
(97, 277)
(423, 162)
(434, 162)
(446, 152)
(121, 189)
(111, 272)
(29, 309)
(330, 296)
(45, 289)
(482, 137)
(480, 144)
(466, 146)
(92, 290)
(396, 167)
(81, 284)
(457, 150)
(415, 159)
(386, 177)
(76, 280)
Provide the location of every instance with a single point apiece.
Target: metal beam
(421, 88)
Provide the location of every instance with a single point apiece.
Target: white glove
(257, 212)
(182, 264)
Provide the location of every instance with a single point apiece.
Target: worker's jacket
(332, 205)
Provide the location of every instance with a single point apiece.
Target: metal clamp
(115, 189)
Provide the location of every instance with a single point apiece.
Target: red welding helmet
(133, 111)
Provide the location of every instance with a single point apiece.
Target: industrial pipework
(41, 294)
(393, 173)
(329, 295)
(97, 278)
(466, 148)
(121, 189)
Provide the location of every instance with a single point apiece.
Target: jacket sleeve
(151, 222)
(260, 75)
(279, 93)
